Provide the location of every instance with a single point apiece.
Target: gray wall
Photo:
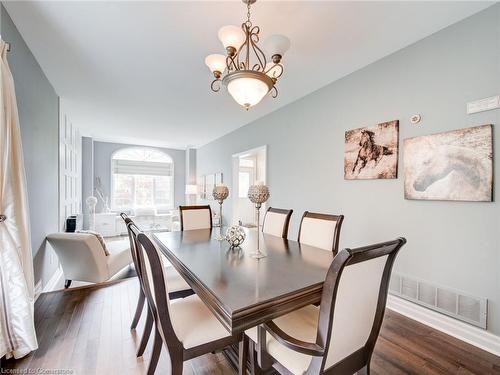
(102, 168)
(455, 244)
(38, 115)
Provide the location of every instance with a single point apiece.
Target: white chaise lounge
(83, 258)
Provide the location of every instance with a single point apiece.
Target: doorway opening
(248, 168)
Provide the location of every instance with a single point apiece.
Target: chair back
(133, 245)
(195, 217)
(125, 218)
(276, 222)
(81, 255)
(320, 230)
(352, 306)
(156, 288)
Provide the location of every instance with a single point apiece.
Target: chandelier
(244, 70)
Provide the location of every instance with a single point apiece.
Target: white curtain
(17, 330)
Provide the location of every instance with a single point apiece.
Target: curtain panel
(17, 331)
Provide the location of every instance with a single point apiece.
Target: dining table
(242, 291)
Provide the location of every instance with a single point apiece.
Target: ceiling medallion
(245, 71)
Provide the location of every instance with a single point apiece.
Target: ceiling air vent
(445, 300)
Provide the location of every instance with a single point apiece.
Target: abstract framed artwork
(372, 152)
(455, 165)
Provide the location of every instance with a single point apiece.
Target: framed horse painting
(455, 165)
(372, 152)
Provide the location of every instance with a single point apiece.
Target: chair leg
(155, 354)
(145, 335)
(138, 309)
(262, 356)
(177, 364)
(243, 355)
(67, 283)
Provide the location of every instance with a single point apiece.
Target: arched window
(142, 177)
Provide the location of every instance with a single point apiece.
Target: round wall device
(415, 119)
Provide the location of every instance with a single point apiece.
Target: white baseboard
(462, 331)
(54, 280)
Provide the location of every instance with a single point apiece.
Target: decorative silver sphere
(220, 193)
(235, 235)
(258, 194)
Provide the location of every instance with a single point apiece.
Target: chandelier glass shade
(245, 71)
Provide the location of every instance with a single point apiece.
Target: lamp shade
(276, 45)
(247, 91)
(191, 189)
(231, 36)
(216, 62)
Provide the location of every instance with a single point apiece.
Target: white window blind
(149, 168)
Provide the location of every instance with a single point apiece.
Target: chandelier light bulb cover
(246, 70)
(276, 45)
(232, 36)
(216, 63)
(248, 91)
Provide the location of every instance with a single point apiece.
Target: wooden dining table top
(240, 290)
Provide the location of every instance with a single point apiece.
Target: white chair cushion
(274, 223)
(174, 280)
(196, 219)
(194, 323)
(301, 324)
(119, 256)
(317, 232)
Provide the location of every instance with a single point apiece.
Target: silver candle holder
(258, 194)
(220, 193)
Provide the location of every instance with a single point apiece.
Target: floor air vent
(448, 301)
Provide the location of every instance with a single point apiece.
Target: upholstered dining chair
(320, 230)
(337, 337)
(195, 217)
(178, 288)
(186, 326)
(276, 222)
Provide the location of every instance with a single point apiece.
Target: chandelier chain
(248, 22)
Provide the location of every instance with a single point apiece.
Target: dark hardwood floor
(86, 331)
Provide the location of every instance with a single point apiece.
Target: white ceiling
(134, 72)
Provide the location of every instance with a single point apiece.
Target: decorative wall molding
(462, 331)
(53, 281)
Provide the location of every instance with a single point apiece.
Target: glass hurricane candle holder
(220, 193)
(258, 194)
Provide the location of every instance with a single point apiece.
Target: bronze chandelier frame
(238, 63)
